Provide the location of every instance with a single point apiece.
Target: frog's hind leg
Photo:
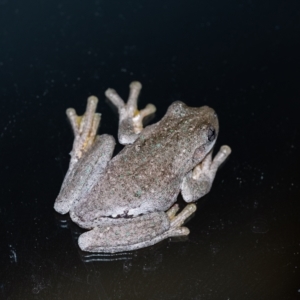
(118, 235)
(130, 118)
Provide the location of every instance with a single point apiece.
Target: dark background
(240, 57)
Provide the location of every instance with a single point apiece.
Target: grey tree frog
(127, 202)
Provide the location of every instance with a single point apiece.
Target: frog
(128, 201)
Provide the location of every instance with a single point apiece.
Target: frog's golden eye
(211, 134)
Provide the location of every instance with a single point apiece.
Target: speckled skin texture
(124, 199)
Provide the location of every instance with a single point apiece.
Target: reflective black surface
(239, 57)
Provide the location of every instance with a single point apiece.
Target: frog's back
(138, 180)
(146, 176)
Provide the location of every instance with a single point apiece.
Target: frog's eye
(211, 134)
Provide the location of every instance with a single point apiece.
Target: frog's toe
(62, 205)
(178, 220)
(220, 157)
(86, 241)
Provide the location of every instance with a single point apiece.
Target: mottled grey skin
(124, 199)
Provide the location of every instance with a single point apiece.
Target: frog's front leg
(130, 118)
(89, 156)
(198, 182)
(117, 235)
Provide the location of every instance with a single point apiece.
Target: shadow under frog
(127, 202)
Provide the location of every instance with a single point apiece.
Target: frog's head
(198, 128)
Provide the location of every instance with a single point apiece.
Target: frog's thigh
(198, 182)
(135, 233)
(80, 177)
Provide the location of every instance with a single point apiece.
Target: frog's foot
(198, 182)
(130, 118)
(120, 235)
(176, 221)
(85, 129)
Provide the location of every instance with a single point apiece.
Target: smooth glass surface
(239, 57)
